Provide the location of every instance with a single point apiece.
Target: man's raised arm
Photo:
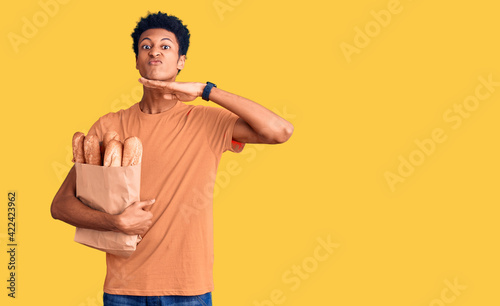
(256, 124)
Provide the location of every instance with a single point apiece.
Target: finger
(141, 204)
(148, 204)
(148, 83)
(153, 83)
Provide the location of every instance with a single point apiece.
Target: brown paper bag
(111, 190)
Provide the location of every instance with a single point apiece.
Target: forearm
(264, 122)
(68, 208)
(256, 123)
(72, 211)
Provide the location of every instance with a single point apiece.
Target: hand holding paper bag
(112, 189)
(136, 219)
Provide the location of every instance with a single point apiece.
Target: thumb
(147, 205)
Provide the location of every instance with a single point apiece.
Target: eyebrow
(166, 38)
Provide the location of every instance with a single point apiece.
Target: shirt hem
(158, 292)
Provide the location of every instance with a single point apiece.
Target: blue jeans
(166, 300)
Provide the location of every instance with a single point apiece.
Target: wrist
(113, 222)
(200, 90)
(206, 90)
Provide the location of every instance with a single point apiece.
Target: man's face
(158, 57)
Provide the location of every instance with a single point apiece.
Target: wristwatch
(207, 90)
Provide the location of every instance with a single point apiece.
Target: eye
(146, 47)
(166, 47)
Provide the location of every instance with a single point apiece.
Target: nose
(154, 52)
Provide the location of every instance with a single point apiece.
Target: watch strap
(207, 90)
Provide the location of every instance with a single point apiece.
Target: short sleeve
(96, 129)
(219, 125)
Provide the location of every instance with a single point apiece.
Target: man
(182, 146)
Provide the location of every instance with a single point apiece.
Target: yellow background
(353, 120)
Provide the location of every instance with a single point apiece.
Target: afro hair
(161, 20)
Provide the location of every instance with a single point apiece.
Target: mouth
(155, 62)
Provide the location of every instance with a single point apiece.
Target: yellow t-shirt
(181, 151)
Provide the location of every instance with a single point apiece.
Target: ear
(181, 61)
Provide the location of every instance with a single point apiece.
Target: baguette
(113, 154)
(92, 150)
(132, 151)
(78, 155)
(108, 136)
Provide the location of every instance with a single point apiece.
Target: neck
(153, 102)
